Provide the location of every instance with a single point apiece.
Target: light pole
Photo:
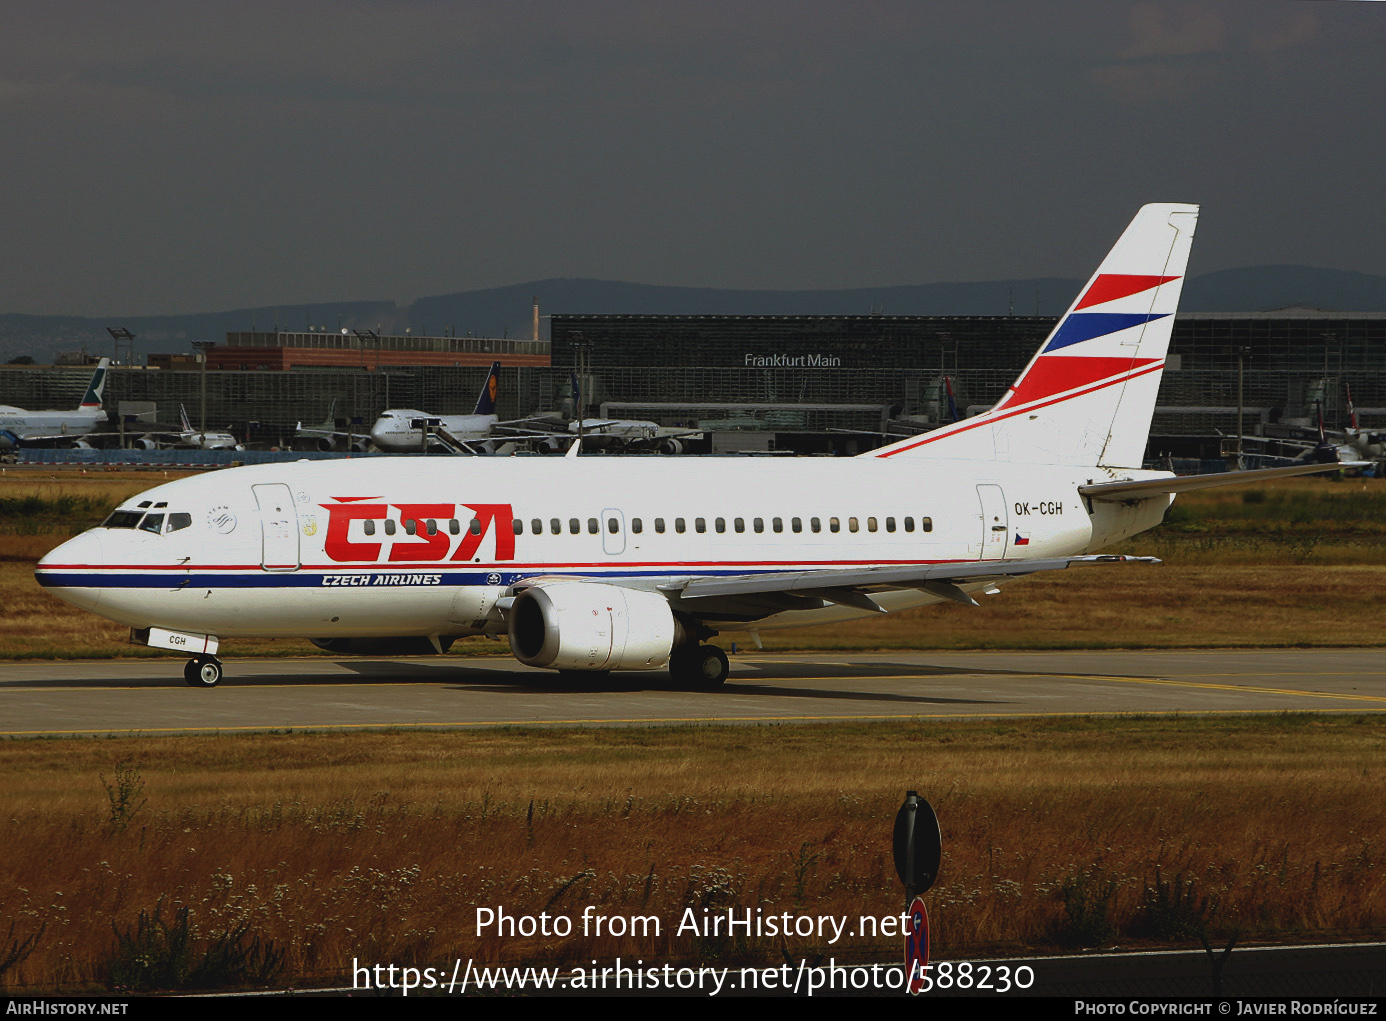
(582, 349)
(202, 347)
(1242, 352)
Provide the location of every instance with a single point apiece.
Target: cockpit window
(152, 523)
(123, 519)
(177, 521)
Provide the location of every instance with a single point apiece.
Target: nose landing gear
(203, 672)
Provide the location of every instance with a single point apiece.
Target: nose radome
(72, 571)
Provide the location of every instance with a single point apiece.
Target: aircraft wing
(1120, 491)
(848, 586)
(301, 431)
(29, 439)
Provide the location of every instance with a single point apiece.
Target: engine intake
(575, 625)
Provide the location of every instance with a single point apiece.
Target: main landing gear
(699, 666)
(203, 671)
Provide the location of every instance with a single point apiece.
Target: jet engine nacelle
(326, 443)
(575, 625)
(670, 445)
(145, 443)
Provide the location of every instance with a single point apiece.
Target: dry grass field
(382, 846)
(1293, 563)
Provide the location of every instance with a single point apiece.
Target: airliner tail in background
(1088, 394)
(97, 387)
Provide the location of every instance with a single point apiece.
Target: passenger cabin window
(890, 524)
(369, 527)
(389, 527)
(926, 524)
(536, 526)
(659, 525)
(474, 526)
(574, 526)
(815, 524)
(613, 525)
(851, 524)
(758, 524)
(592, 527)
(152, 523)
(700, 525)
(909, 524)
(679, 526)
(834, 525)
(870, 524)
(635, 525)
(517, 526)
(797, 524)
(777, 524)
(555, 526)
(410, 527)
(455, 527)
(721, 524)
(432, 526)
(740, 524)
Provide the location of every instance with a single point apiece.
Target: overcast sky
(184, 156)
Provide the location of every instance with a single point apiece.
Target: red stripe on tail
(1111, 286)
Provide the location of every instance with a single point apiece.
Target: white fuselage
(208, 440)
(393, 432)
(16, 424)
(391, 547)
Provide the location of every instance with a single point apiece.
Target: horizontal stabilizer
(1120, 491)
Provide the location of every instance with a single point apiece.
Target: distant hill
(1259, 288)
(506, 311)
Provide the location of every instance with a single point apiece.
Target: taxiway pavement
(149, 695)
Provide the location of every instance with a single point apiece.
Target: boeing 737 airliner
(598, 564)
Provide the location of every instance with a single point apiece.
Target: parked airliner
(188, 437)
(400, 430)
(598, 564)
(18, 426)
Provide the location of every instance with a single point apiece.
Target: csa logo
(423, 539)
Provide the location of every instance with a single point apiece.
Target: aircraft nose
(380, 432)
(72, 571)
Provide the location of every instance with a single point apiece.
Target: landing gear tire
(699, 666)
(203, 672)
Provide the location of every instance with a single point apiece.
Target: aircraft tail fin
(486, 403)
(1088, 394)
(183, 419)
(97, 387)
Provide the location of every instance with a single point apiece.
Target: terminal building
(670, 368)
(810, 384)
